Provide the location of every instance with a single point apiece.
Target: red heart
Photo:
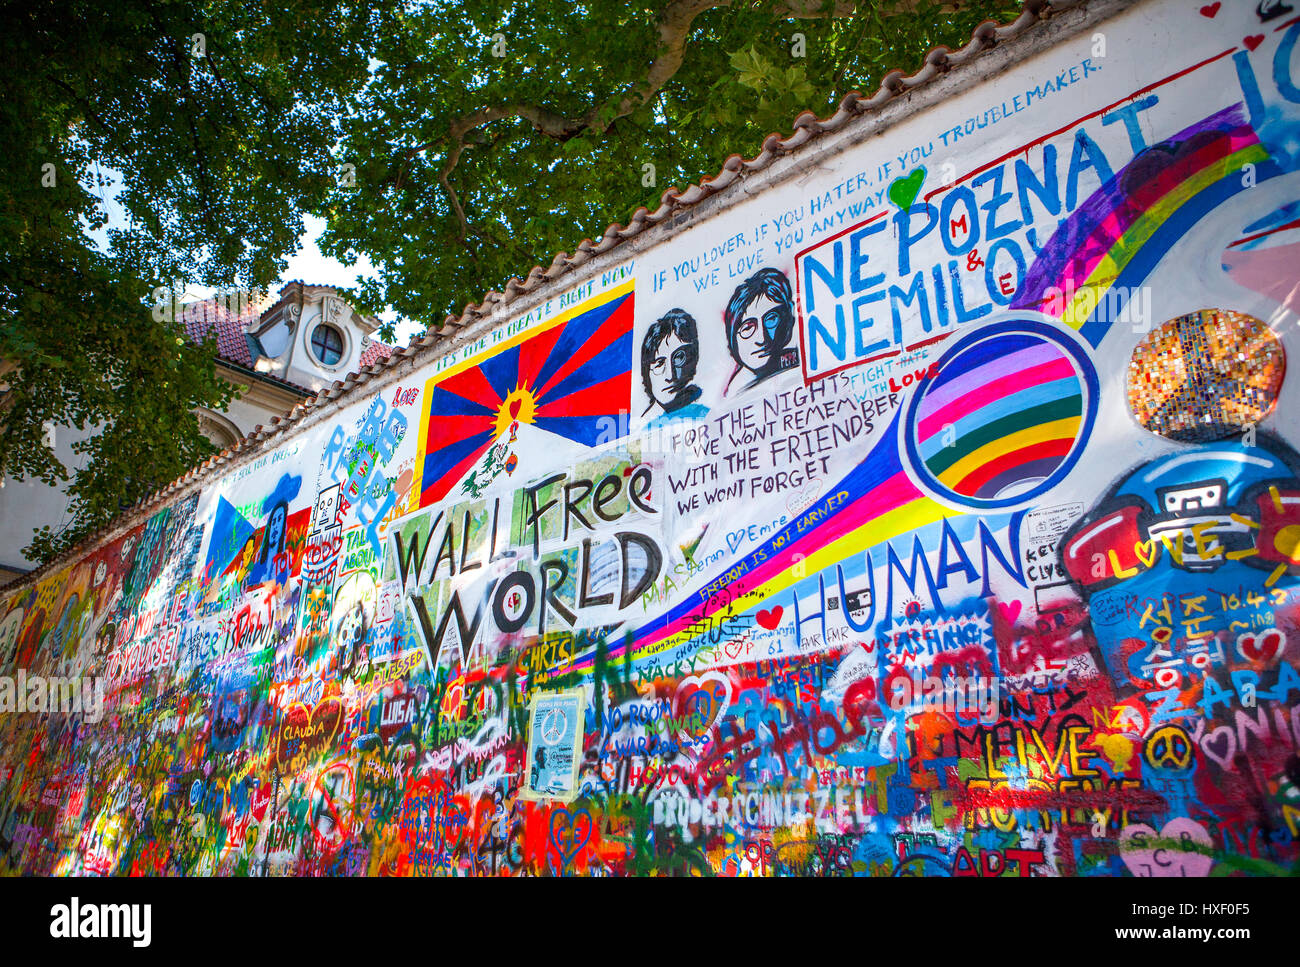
(1010, 611)
(1253, 42)
(258, 801)
(699, 704)
(305, 734)
(514, 410)
(770, 619)
(1261, 648)
(1211, 10)
(566, 839)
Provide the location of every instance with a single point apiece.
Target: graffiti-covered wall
(931, 506)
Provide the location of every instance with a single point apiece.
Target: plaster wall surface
(926, 504)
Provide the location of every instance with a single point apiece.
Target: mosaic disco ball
(1205, 376)
(1005, 416)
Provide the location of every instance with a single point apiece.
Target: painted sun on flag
(571, 378)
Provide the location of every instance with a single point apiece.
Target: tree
(495, 134)
(219, 120)
(456, 143)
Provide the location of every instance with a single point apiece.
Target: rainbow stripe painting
(1090, 266)
(1000, 417)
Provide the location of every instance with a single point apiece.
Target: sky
(310, 266)
(307, 264)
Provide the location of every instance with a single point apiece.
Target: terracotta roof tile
(233, 342)
(374, 352)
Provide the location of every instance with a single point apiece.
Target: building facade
(277, 351)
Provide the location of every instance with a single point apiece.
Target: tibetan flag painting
(562, 385)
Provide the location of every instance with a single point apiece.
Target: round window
(327, 344)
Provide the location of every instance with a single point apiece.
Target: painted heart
(1140, 180)
(770, 619)
(1010, 611)
(305, 734)
(799, 502)
(453, 699)
(567, 835)
(1221, 746)
(259, 799)
(1147, 551)
(1253, 41)
(514, 409)
(700, 702)
(1262, 648)
(1211, 9)
(1182, 848)
(903, 191)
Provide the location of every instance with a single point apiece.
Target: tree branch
(674, 29)
(180, 66)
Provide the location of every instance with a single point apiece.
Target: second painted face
(275, 530)
(755, 333)
(670, 370)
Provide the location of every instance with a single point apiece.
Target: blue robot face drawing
(1188, 554)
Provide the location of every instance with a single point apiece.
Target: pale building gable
(311, 337)
(264, 346)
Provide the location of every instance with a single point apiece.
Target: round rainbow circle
(1004, 417)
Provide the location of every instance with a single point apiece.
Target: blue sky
(307, 264)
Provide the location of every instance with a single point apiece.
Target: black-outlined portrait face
(670, 352)
(273, 540)
(760, 321)
(249, 554)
